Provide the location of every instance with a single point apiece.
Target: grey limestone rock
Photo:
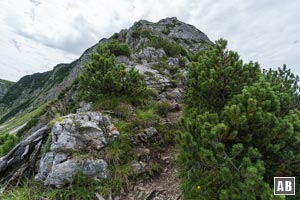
(65, 173)
(122, 59)
(173, 62)
(176, 95)
(89, 131)
(84, 107)
(149, 135)
(45, 166)
(138, 167)
(150, 53)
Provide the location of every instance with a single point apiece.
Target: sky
(35, 35)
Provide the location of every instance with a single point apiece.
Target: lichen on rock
(80, 133)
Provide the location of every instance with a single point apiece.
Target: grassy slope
(20, 120)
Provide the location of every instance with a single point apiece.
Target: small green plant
(162, 109)
(7, 142)
(115, 36)
(171, 48)
(136, 33)
(147, 115)
(46, 147)
(160, 67)
(142, 33)
(182, 61)
(115, 103)
(154, 168)
(173, 69)
(149, 74)
(118, 49)
(58, 119)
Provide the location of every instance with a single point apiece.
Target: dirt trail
(161, 187)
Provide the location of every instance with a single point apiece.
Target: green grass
(7, 142)
(118, 154)
(172, 49)
(18, 126)
(147, 115)
(22, 119)
(111, 102)
(162, 109)
(15, 110)
(133, 116)
(31, 190)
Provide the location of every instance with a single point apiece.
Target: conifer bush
(103, 76)
(239, 130)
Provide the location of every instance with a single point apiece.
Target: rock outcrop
(79, 134)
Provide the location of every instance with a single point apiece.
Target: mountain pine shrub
(240, 128)
(103, 76)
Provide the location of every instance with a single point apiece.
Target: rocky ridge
(34, 90)
(62, 148)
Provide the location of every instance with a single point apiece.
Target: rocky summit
(102, 145)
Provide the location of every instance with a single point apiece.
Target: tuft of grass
(31, 190)
(147, 115)
(7, 142)
(172, 49)
(120, 176)
(46, 147)
(58, 119)
(112, 102)
(162, 109)
(160, 67)
(154, 168)
(119, 152)
(168, 133)
(182, 61)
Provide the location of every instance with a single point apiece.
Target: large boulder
(66, 172)
(80, 133)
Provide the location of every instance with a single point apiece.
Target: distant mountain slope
(4, 86)
(34, 90)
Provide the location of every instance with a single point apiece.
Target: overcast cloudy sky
(35, 35)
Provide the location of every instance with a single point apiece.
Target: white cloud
(37, 34)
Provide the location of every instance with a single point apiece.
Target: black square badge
(284, 185)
